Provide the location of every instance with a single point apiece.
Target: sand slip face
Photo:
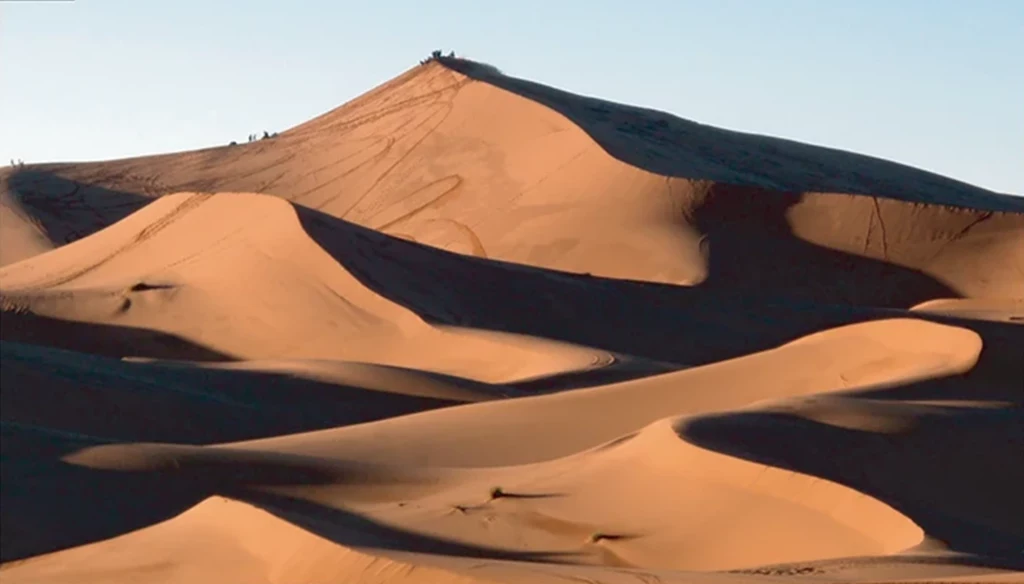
(774, 361)
(237, 275)
(615, 506)
(539, 428)
(20, 236)
(948, 351)
(492, 166)
(222, 542)
(650, 499)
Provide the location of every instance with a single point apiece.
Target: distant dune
(468, 328)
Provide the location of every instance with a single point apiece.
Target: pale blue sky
(937, 84)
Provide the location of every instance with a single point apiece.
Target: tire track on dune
(548, 175)
(334, 137)
(90, 215)
(342, 127)
(168, 219)
(281, 160)
(411, 85)
(267, 184)
(352, 123)
(881, 226)
(332, 140)
(447, 110)
(961, 234)
(474, 241)
(377, 157)
(430, 202)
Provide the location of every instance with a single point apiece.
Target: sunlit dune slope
(238, 275)
(223, 542)
(544, 427)
(241, 276)
(617, 505)
(54, 402)
(503, 168)
(788, 479)
(626, 491)
(470, 328)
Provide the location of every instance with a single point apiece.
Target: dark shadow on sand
(979, 474)
(672, 146)
(740, 309)
(55, 402)
(101, 339)
(350, 529)
(766, 286)
(69, 210)
(769, 259)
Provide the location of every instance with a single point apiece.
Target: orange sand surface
(468, 328)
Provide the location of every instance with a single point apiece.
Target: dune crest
(220, 532)
(455, 156)
(469, 328)
(162, 269)
(504, 433)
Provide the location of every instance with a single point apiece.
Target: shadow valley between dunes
(475, 324)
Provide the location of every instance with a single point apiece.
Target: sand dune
(544, 427)
(497, 167)
(20, 237)
(564, 509)
(997, 309)
(226, 542)
(470, 328)
(55, 402)
(137, 290)
(301, 303)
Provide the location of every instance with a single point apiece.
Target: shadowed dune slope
(239, 275)
(711, 490)
(614, 506)
(470, 328)
(673, 146)
(618, 504)
(20, 235)
(498, 167)
(81, 394)
(553, 509)
(242, 276)
(197, 545)
(539, 428)
(951, 466)
(54, 402)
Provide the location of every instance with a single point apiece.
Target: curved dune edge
(501, 168)
(994, 309)
(293, 301)
(870, 354)
(553, 510)
(238, 275)
(368, 376)
(222, 541)
(510, 432)
(627, 488)
(111, 400)
(21, 237)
